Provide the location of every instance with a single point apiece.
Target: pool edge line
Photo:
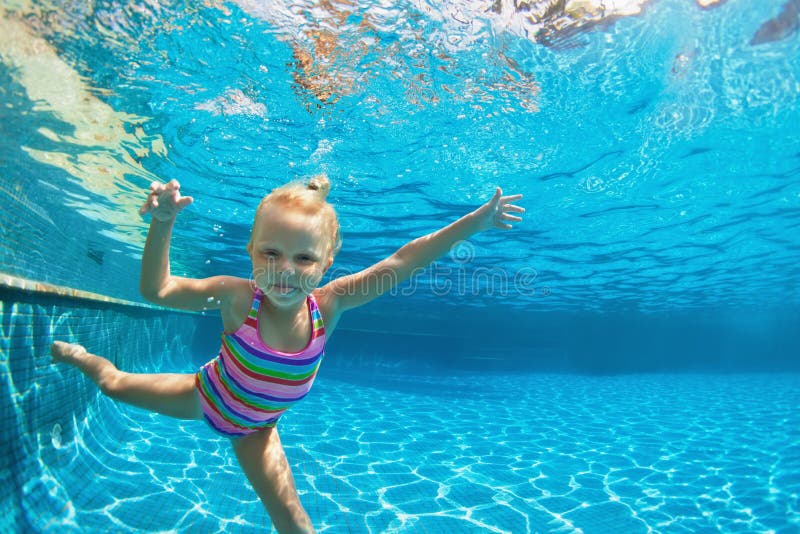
(16, 283)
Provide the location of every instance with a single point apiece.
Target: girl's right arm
(156, 283)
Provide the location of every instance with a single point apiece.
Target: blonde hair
(311, 198)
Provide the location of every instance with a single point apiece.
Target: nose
(285, 266)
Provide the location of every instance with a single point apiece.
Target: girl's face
(290, 253)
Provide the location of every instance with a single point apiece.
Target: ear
(328, 265)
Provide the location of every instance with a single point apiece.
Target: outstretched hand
(165, 201)
(497, 212)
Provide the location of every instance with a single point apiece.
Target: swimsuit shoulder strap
(254, 307)
(256, 304)
(316, 316)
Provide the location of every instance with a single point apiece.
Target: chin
(278, 297)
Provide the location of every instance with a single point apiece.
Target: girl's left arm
(360, 288)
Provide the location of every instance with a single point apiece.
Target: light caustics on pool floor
(536, 453)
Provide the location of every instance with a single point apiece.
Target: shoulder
(239, 293)
(240, 288)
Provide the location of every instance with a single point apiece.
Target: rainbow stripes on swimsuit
(248, 386)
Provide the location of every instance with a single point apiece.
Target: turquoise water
(623, 361)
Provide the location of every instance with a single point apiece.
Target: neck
(283, 314)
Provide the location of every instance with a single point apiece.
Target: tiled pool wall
(449, 339)
(42, 404)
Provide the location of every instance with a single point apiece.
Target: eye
(304, 258)
(270, 254)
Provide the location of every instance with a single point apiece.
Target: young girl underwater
(275, 324)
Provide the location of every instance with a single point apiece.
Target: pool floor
(489, 453)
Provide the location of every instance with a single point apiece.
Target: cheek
(311, 277)
(259, 276)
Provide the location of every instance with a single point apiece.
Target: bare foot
(66, 352)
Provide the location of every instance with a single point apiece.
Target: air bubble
(55, 436)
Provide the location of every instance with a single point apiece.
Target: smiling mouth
(283, 290)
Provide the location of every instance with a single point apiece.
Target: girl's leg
(169, 394)
(262, 459)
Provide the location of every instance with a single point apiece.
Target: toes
(59, 349)
(55, 350)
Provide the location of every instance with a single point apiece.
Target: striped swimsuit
(249, 385)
